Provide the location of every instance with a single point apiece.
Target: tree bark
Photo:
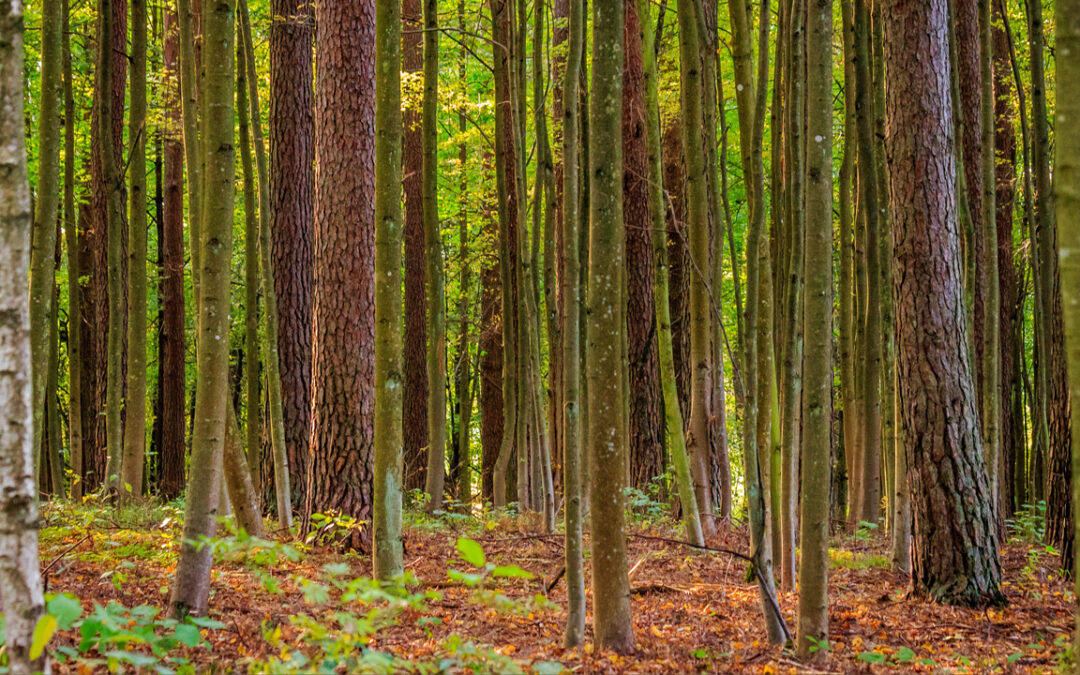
(20, 578)
(414, 420)
(71, 235)
(955, 540)
(343, 399)
(388, 223)
(292, 190)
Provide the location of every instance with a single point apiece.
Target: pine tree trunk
(955, 535)
(414, 420)
(20, 578)
(344, 328)
(192, 586)
(292, 193)
(71, 236)
(171, 349)
(388, 223)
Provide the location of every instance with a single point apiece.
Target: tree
(71, 235)
(292, 190)
(1068, 221)
(415, 394)
(571, 335)
(817, 320)
(192, 585)
(388, 223)
(436, 327)
(43, 240)
(171, 349)
(20, 578)
(612, 624)
(134, 452)
(344, 328)
(955, 540)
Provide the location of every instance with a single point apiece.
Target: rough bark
(292, 190)
(343, 398)
(955, 543)
(171, 349)
(414, 413)
(71, 236)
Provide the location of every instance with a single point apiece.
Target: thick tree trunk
(292, 190)
(414, 414)
(343, 399)
(955, 543)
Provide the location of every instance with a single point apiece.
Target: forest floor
(304, 607)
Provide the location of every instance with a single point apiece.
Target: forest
(539, 336)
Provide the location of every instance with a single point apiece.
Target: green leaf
(904, 655)
(187, 634)
(336, 569)
(548, 668)
(137, 660)
(1013, 658)
(206, 622)
(872, 657)
(471, 552)
(511, 571)
(699, 653)
(43, 632)
(67, 610)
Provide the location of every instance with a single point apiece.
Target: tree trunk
(436, 351)
(414, 420)
(171, 350)
(612, 623)
(71, 234)
(20, 578)
(134, 438)
(192, 585)
(388, 222)
(646, 427)
(292, 190)
(344, 328)
(817, 386)
(955, 536)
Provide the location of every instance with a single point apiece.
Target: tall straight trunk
(817, 386)
(463, 369)
(646, 426)
(415, 394)
(292, 220)
(436, 351)
(846, 287)
(491, 357)
(252, 395)
(192, 586)
(507, 178)
(793, 302)
(1012, 436)
(344, 328)
(612, 623)
(134, 438)
(1068, 210)
(571, 334)
(112, 178)
(697, 437)
(750, 101)
(43, 239)
(955, 546)
(71, 236)
(658, 236)
(20, 578)
(171, 349)
(388, 223)
(276, 416)
(991, 329)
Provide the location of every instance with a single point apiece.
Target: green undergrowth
(856, 560)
